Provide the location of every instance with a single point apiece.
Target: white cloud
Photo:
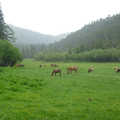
(56, 16)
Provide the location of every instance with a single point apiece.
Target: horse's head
(54, 65)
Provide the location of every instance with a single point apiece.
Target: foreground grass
(30, 93)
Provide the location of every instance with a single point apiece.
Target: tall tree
(6, 33)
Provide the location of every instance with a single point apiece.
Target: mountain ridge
(26, 36)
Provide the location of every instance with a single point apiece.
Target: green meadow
(31, 93)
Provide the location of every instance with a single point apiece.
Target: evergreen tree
(6, 32)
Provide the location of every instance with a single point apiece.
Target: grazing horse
(73, 68)
(19, 65)
(90, 69)
(117, 69)
(55, 71)
(54, 65)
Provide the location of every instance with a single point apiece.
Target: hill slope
(104, 33)
(24, 36)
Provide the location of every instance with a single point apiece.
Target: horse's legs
(52, 73)
(67, 71)
(60, 73)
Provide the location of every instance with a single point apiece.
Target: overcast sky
(56, 16)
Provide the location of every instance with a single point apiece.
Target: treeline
(30, 50)
(96, 55)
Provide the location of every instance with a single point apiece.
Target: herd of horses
(70, 69)
(75, 69)
(59, 71)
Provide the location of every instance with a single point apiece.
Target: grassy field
(30, 93)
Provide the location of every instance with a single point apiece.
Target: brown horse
(54, 65)
(72, 68)
(55, 71)
(19, 65)
(90, 69)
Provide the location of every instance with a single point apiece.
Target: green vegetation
(97, 55)
(30, 93)
(9, 54)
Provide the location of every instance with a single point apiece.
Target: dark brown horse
(55, 71)
(53, 65)
(19, 65)
(72, 68)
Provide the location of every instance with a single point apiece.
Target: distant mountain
(25, 36)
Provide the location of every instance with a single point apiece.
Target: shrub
(9, 54)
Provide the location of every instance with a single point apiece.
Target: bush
(9, 54)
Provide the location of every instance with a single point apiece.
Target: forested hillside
(103, 33)
(97, 41)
